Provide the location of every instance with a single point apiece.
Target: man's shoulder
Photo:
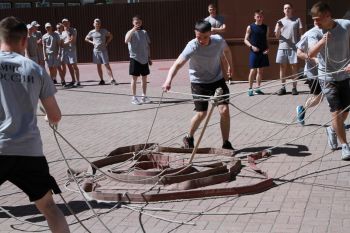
(343, 22)
(217, 38)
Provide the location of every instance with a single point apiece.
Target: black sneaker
(188, 142)
(102, 82)
(294, 91)
(227, 145)
(78, 84)
(54, 81)
(63, 83)
(282, 91)
(70, 84)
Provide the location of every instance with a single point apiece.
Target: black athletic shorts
(314, 85)
(30, 174)
(337, 94)
(137, 69)
(208, 89)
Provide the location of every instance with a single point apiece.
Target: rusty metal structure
(152, 173)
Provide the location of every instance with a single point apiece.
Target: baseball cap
(48, 25)
(35, 23)
(97, 20)
(65, 20)
(29, 26)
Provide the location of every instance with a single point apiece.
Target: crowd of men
(24, 82)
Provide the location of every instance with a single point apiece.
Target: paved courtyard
(312, 192)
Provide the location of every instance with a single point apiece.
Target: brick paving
(316, 198)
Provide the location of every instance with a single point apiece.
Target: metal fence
(170, 24)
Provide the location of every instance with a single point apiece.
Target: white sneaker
(135, 101)
(345, 152)
(145, 100)
(332, 138)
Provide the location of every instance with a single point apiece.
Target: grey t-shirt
(66, 36)
(338, 50)
(310, 69)
(139, 46)
(22, 83)
(32, 48)
(216, 22)
(52, 43)
(289, 33)
(205, 63)
(99, 38)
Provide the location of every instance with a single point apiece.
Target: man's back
(22, 83)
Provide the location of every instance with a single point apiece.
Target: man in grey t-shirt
(100, 40)
(52, 46)
(139, 52)
(205, 53)
(288, 30)
(22, 84)
(32, 46)
(217, 21)
(330, 44)
(37, 34)
(69, 37)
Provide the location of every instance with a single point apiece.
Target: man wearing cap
(37, 34)
(32, 47)
(62, 66)
(100, 40)
(69, 36)
(51, 43)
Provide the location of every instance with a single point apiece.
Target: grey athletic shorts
(70, 57)
(100, 57)
(52, 60)
(286, 56)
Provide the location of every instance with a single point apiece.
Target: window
(23, 5)
(5, 5)
(42, 4)
(57, 4)
(73, 4)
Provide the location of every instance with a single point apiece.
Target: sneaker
(257, 91)
(113, 82)
(332, 138)
(102, 82)
(135, 101)
(145, 100)
(295, 91)
(63, 84)
(77, 84)
(70, 84)
(282, 91)
(300, 114)
(250, 92)
(54, 81)
(345, 152)
(227, 145)
(230, 82)
(188, 142)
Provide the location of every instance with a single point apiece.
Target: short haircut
(288, 3)
(212, 5)
(136, 17)
(258, 12)
(320, 8)
(202, 26)
(12, 30)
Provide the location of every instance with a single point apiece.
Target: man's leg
(76, 71)
(283, 69)
(224, 121)
(313, 101)
(99, 71)
(294, 71)
(259, 76)
(196, 121)
(55, 218)
(144, 84)
(62, 72)
(133, 85)
(338, 125)
(251, 77)
(53, 73)
(71, 71)
(109, 71)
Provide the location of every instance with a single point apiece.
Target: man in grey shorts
(62, 66)
(38, 35)
(69, 36)
(100, 40)
(51, 44)
(205, 53)
(330, 43)
(31, 50)
(288, 30)
(22, 162)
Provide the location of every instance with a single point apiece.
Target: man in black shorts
(22, 84)
(138, 43)
(205, 53)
